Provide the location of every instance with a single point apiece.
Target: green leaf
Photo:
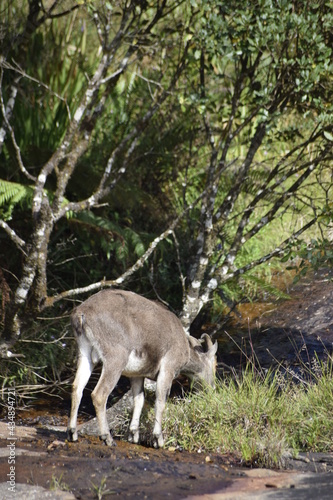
(11, 194)
(328, 135)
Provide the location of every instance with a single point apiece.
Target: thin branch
(48, 13)
(12, 135)
(149, 80)
(274, 253)
(47, 342)
(182, 277)
(118, 281)
(135, 267)
(134, 135)
(17, 69)
(7, 113)
(13, 236)
(240, 237)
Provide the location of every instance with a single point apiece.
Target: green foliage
(100, 490)
(57, 64)
(12, 194)
(262, 417)
(57, 484)
(305, 256)
(87, 247)
(259, 64)
(114, 238)
(315, 431)
(249, 66)
(288, 35)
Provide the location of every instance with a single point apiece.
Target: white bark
(7, 113)
(13, 236)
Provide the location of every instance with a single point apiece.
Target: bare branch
(20, 71)
(307, 168)
(11, 132)
(8, 110)
(103, 190)
(225, 276)
(129, 272)
(48, 13)
(118, 281)
(181, 276)
(13, 236)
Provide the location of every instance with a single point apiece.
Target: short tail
(78, 322)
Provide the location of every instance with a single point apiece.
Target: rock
(29, 492)
(115, 416)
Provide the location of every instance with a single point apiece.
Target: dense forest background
(179, 149)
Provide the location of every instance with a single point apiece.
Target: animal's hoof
(133, 437)
(158, 442)
(107, 439)
(155, 443)
(72, 435)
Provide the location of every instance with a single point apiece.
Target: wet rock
(290, 334)
(33, 493)
(312, 462)
(115, 416)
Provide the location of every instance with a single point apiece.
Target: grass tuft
(263, 417)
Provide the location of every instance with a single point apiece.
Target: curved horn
(210, 347)
(208, 341)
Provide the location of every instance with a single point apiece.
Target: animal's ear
(210, 348)
(194, 343)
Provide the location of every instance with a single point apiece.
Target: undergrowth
(262, 417)
(42, 363)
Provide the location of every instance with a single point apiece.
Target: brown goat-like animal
(138, 338)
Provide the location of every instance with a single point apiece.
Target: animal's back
(125, 318)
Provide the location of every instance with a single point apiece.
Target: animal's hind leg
(138, 400)
(84, 369)
(107, 381)
(163, 387)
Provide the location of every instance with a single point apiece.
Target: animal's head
(203, 360)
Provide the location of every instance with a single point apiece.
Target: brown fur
(138, 338)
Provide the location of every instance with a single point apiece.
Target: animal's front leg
(138, 401)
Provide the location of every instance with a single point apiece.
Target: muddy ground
(47, 466)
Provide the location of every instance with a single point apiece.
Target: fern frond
(11, 194)
(112, 237)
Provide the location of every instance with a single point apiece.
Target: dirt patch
(46, 462)
(89, 467)
(47, 466)
(308, 309)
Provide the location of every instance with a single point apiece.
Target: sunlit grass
(262, 418)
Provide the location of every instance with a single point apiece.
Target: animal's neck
(193, 366)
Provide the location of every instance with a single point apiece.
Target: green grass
(262, 418)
